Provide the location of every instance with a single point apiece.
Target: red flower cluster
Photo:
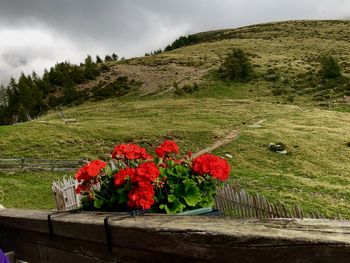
(141, 197)
(90, 170)
(142, 179)
(82, 188)
(166, 148)
(86, 173)
(147, 172)
(131, 152)
(122, 175)
(212, 165)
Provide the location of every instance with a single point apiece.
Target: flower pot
(198, 211)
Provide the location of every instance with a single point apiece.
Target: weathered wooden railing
(33, 164)
(121, 237)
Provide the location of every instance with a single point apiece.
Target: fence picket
(263, 206)
(64, 194)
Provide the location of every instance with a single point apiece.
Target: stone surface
(277, 147)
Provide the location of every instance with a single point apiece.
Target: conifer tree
(98, 59)
(12, 102)
(70, 93)
(236, 66)
(330, 68)
(114, 57)
(91, 70)
(108, 58)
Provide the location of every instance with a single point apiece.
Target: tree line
(31, 95)
(180, 42)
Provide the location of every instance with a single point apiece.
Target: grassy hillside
(307, 116)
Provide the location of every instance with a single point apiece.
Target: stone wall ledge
(81, 237)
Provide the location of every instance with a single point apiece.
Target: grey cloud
(132, 27)
(14, 60)
(120, 21)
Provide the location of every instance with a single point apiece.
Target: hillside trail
(231, 136)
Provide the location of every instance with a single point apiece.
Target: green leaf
(171, 198)
(98, 203)
(167, 209)
(192, 194)
(162, 171)
(177, 207)
(122, 195)
(181, 171)
(108, 170)
(180, 189)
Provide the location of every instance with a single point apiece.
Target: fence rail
(33, 164)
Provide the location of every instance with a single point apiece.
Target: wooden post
(22, 164)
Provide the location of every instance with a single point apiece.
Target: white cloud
(27, 49)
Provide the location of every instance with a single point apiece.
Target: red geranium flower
(220, 169)
(81, 188)
(212, 165)
(141, 197)
(120, 177)
(131, 152)
(90, 170)
(147, 172)
(166, 148)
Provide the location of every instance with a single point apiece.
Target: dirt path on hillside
(231, 136)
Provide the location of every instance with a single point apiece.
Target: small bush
(330, 68)
(104, 92)
(236, 66)
(272, 75)
(104, 67)
(186, 89)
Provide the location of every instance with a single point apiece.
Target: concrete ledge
(81, 237)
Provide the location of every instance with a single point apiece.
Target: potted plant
(135, 180)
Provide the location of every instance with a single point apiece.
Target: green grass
(193, 122)
(316, 171)
(342, 108)
(27, 189)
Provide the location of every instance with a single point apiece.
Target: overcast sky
(34, 34)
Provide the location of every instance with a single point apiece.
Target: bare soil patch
(152, 78)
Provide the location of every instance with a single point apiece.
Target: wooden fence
(33, 164)
(239, 204)
(64, 194)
